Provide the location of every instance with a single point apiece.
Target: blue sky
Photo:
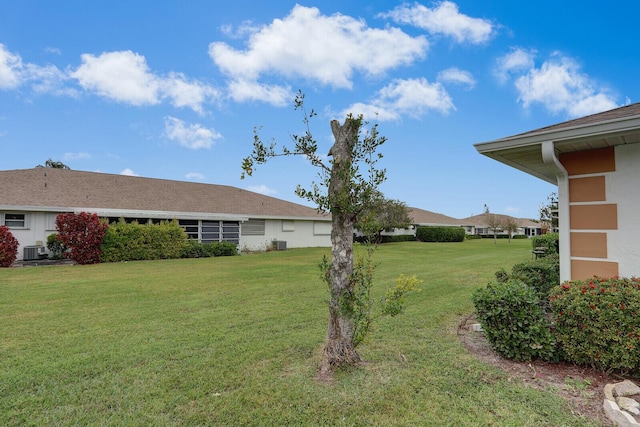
(174, 89)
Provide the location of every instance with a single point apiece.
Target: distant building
(30, 200)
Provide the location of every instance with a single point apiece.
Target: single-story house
(472, 225)
(477, 224)
(30, 200)
(595, 162)
(420, 218)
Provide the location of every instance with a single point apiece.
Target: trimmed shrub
(541, 274)
(513, 321)
(440, 234)
(549, 241)
(82, 233)
(597, 322)
(8, 247)
(133, 242)
(194, 249)
(55, 246)
(398, 238)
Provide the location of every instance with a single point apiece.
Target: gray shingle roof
(47, 188)
(421, 216)
(605, 116)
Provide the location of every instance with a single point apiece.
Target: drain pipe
(551, 160)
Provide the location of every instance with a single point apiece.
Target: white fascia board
(290, 218)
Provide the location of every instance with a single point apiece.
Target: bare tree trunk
(339, 345)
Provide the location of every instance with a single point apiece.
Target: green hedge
(549, 240)
(440, 234)
(399, 238)
(129, 242)
(597, 322)
(194, 249)
(514, 321)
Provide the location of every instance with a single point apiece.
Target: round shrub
(8, 247)
(597, 322)
(513, 321)
(541, 274)
(55, 246)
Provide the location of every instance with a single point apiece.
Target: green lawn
(235, 341)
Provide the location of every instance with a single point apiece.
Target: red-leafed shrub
(8, 247)
(597, 322)
(82, 233)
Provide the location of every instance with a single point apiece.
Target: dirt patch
(581, 386)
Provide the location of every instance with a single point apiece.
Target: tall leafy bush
(597, 322)
(8, 247)
(82, 233)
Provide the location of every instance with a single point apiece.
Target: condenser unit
(33, 252)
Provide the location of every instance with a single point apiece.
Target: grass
(235, 341)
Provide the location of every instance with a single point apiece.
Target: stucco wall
(622, 188)
(297, 234)
(39, 226)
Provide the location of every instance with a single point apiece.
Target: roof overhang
(129, 213)
(524, 151)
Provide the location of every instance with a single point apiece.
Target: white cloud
(262, 189)
(247, 90)
(195, 176)
(444, 19)
(243, 30)
(412, 97)
(128, 172)
(457, 76)
(77, 156)
(43, 79)
(326, 49)
(191, 136)
(517, 60)
(560, 87)
(48, 79)
(52, 50)
(185, 93)
(124, 76)
(10, 69)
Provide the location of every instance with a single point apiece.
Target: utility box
(33, 252)
(280, 245)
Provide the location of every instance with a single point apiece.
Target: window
(288, 225)
(191, 227)
(253, 227)
(15, 220)
(50, 222)
(210, 231)
(231, 232)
